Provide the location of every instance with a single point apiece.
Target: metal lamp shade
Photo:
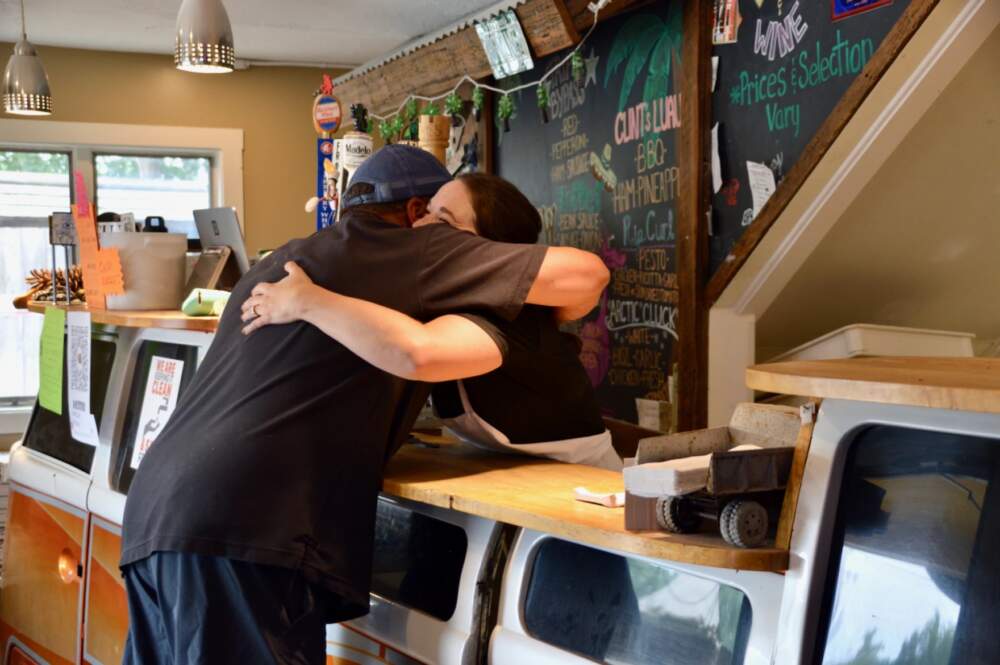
(204, 38)
(25, 84)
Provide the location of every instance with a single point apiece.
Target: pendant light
(204, 38)
(25, 84)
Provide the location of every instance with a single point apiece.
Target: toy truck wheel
(743, 523)
(676, 514)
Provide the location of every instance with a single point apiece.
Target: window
(50, 434)
(33, 185)
(160, 186)
(121, 455)
(614, 609)
(418, 560)
(916, 544)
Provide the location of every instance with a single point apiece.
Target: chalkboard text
(644, 118)
(781, 36)
(646, 189)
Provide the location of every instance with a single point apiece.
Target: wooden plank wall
(437, 67)
(692, 217)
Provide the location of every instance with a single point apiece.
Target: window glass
(122, 471)
(50, 433)
(163, 186)
(33, 185)
(915, 574)
(614, 609)
(418, 560)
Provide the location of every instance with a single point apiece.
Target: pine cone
(39, 283)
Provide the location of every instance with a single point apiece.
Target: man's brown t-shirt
(275, 453)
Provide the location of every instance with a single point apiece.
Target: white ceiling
(342, 32)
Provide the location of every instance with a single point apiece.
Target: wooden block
(547, 25)
(683, 444)
(640, 513)
(790, 504)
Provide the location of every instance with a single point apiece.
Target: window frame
(118, 466)
(223, 147)
(467, 545)
(829, 586)
(522, 566)
(210, 155)
(837, 424)
(22, 405)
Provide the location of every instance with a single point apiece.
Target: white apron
(595, 450)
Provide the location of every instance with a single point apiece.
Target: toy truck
(735, 475)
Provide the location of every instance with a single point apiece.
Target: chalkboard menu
(782, 67)
(603, 172)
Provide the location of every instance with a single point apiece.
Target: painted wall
(271, 105)
(918, 246)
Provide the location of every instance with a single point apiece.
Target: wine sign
(781, 67)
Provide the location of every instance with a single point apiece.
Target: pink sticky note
(82, 202)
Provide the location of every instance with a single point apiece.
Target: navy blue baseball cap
(397, 173)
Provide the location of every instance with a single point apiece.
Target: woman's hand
(278, 302)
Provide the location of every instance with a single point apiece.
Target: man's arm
(448, 347)
(571, 280)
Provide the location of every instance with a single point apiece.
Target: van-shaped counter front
(488, 559)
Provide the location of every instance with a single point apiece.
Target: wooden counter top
(962, 384)
(173, 319)
(538, 494)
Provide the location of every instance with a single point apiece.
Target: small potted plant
(434, 131)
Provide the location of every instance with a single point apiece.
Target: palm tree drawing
(646, 39)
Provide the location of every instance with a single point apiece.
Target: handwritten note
(102, 268)
(761, 184)
(51, 361)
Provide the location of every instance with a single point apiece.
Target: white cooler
(865, 339)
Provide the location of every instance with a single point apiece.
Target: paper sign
(82, 425)
(716, 164)
(761, 184)
(50, 366)
(109, 266)
(102, 268)
(158, 402)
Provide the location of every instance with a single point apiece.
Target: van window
(50, 434)
(917, 539)
(418, 560)
(122, 471)
(616, 609)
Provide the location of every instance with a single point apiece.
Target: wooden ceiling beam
(548, 26)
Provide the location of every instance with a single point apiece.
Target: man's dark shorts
(188, 608)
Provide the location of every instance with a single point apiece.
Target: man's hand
(280, 302)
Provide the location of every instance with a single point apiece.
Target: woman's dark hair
(503, 213)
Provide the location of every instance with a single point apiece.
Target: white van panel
(817, 509)
(424, 637)
(511, 638)
(102, 500)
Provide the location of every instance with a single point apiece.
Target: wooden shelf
(172, 319)
(961, 384)
(537, 494)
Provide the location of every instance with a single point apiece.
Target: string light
(389, 120)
